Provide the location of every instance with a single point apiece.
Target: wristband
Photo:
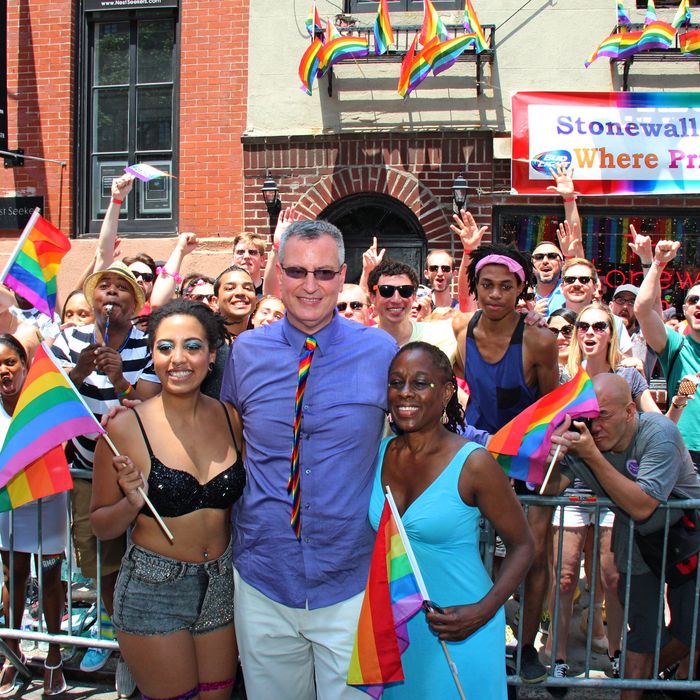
(162, 271)
(675, 405)
(659, 264)
(125, 393)
(646, 266)
(117, 201)
(276, 246)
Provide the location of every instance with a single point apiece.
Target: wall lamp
(271, 195)
(459, 193)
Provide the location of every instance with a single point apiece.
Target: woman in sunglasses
(562, 323)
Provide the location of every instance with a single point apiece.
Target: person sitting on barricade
(639, 461)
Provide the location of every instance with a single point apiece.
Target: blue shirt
(343, 417)
(555, 299)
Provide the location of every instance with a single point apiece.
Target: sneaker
(559, 670)
(532, 670)
(615, 664)
(94, 659)
(124, 682)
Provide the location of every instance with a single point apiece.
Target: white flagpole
(108, 440)
(420, 581)
(550, 468)
(27, 230)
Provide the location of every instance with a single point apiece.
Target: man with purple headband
(508, 365)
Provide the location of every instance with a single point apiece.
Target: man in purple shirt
(298, 594)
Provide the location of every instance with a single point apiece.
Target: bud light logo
(544, 162)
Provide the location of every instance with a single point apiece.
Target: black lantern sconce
(271, 195)
(459, 193)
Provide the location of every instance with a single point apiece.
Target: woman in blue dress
(442, 484)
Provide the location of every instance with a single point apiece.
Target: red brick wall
(40, 84)
(213, 97)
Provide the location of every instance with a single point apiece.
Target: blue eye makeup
(164, 346)
(193, 345)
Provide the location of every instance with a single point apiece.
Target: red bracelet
(117, 201)
(568, 201)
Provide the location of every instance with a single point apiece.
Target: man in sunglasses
(547, 261)
(249, 253)
(311, 391)
(622, 305)
(438, 271)
(679, 354)
(354, 304)
(393, 286)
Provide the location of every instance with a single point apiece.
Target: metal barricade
(591, 674)
(11, 628)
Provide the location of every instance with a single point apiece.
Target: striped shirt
(97, 390)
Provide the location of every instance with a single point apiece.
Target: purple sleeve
(474, 434)
(228, 385)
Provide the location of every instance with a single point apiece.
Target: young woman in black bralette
(173, 603)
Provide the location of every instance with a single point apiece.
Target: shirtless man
(508, 365)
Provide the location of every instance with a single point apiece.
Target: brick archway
(399, 184)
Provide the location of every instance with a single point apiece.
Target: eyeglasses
(538, 257)
(598, 326)
(442, 268)
(566, 331)
(354, 305)
(624, 301)
(145, 276)
(251, 251)
(583, 279)
(300, 273)
(691, 301)
(200, 297)
(388, 290)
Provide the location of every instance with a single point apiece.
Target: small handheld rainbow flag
(682, 16)
(44, 477)
(341, 48)
(33, 266)
(308, 66)
(433, 26)
(313, 22)
(444, 55)
(48, 412)
(623, 19)
(392, 598)
(383, 31)
(145, 172)
(521, 447)
(472, 24)
(690, 43)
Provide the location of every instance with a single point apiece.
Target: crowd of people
(264, 413)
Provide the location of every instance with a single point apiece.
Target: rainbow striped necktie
(293, 483)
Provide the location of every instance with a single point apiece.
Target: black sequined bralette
(174, 492)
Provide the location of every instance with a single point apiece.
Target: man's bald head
(614, 428)
(612, 387)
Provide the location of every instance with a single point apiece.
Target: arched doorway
(360, 217)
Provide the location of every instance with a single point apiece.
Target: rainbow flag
(392, 598)
(657, 35)
(690, 42)
(383, 31)
(48, 412)
(405, 72)
(331, 32)
(472, 24)
(338, 49)
(682, 16)
(623, 19)
(629, 44)
(313, 22)
(433, 26)
(522, 446)
(419, 68)
(651, 12)
(44, 477)
(442, 56)
(33, 266)
(610, 47)
(145, 172)
(308, 66)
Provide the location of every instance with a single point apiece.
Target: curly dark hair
(509, 251)
(453, 410)
(11, 342)
(213, 323)
(230, 268)
(391, 268)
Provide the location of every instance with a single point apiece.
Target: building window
(361, 6)
(606, 243)
(130, 117)
(642, 4)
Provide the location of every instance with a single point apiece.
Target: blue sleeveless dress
(444, 534)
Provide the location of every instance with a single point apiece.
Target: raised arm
(470, 236)
(370, 259)
(286, 218)
(169, 274)
(650, 321)
(121, 186)
(641, 246)
(564, 186)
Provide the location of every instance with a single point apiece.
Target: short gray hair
(310, 231)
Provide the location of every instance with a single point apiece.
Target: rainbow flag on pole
(690, 42)
(472, 24)
(313, 22)
(623, 19)
(33, 266)
(338, 49)
(522, 446)
(682, 16)
(415, 72)
(383, 32)
(392, 597)
(651, 12)
(44, 477)
(656, 35)
(444, 55)
(308, 66)
(48, 412)
(433, 26)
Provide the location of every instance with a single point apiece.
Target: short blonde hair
(613, 356)
(580, 261)
(258, 241)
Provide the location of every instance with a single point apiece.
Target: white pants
(283, 650)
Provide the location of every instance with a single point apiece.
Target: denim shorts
(156, 595)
